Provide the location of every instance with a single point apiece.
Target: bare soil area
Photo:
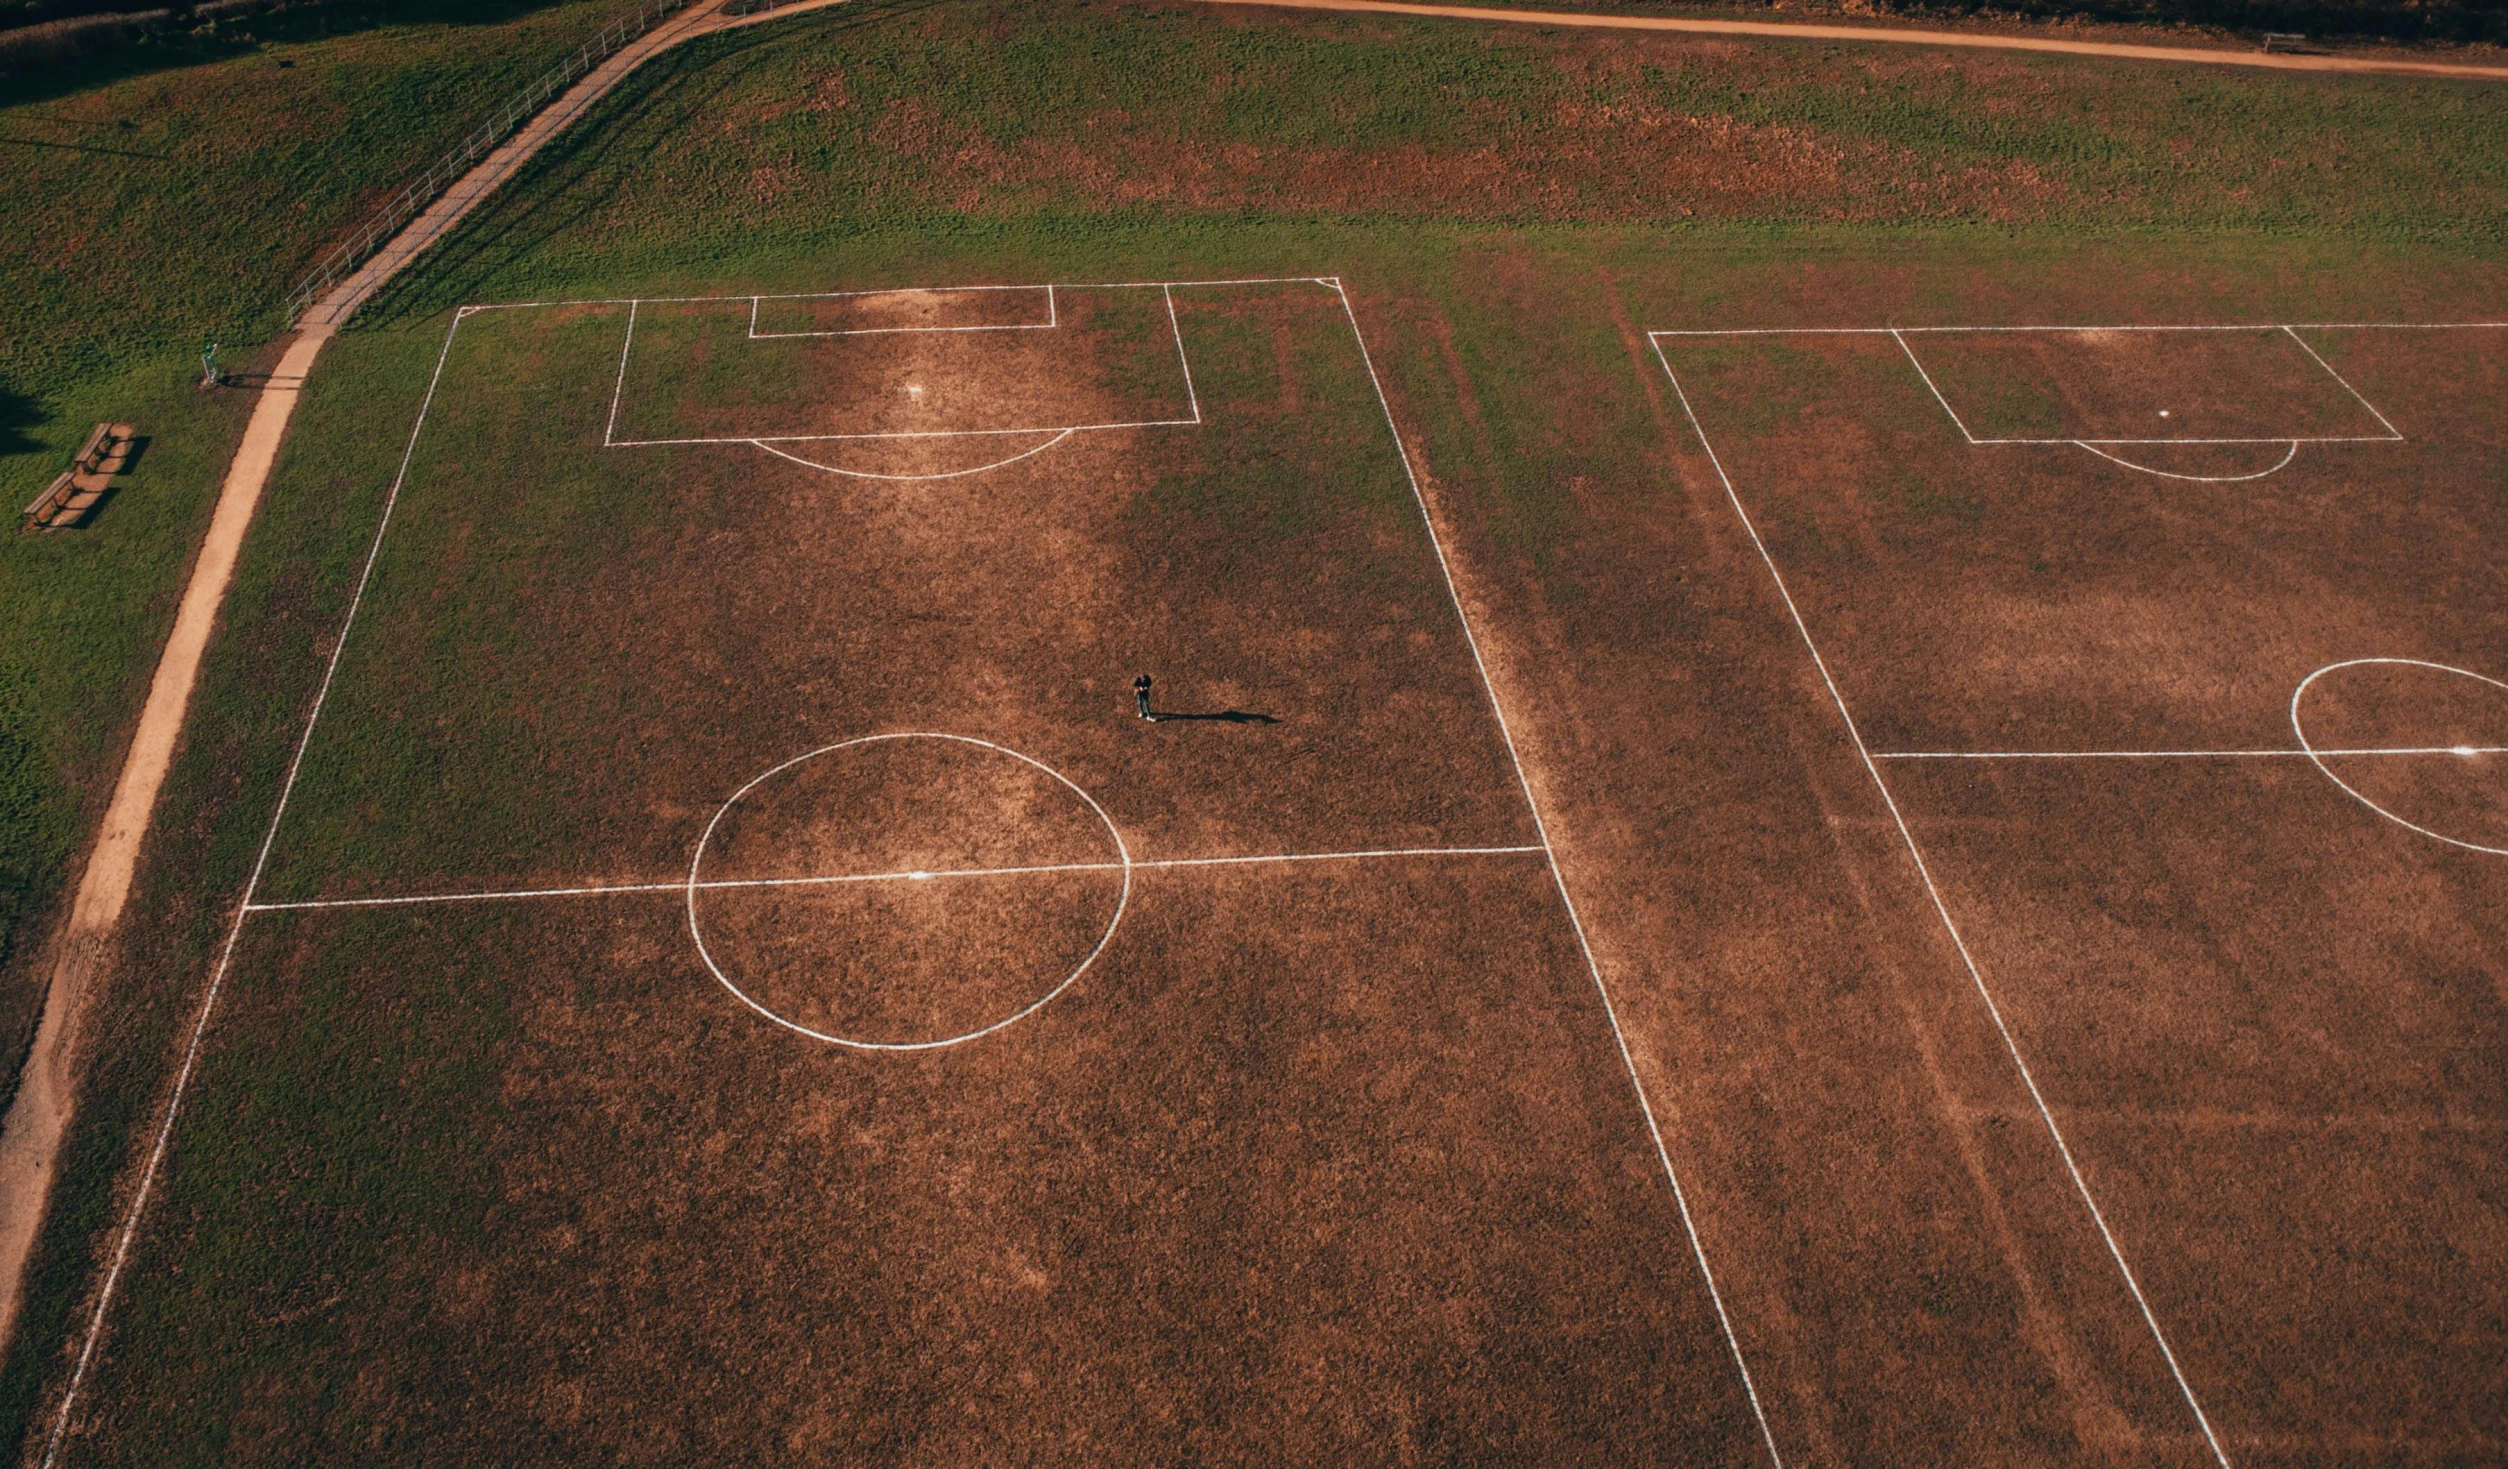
(1315, 1153)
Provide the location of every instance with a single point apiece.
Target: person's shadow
(1224, 716)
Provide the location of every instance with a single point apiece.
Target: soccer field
(1971, 935)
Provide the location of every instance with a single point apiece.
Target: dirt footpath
(33, 1129)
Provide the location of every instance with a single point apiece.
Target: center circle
(905, 892)
(2423, 744)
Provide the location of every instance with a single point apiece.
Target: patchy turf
(466, 1178)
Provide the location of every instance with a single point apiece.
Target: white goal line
(1328, 282)
(901, 875)
(1053, 315)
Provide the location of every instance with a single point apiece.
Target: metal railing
(349, 254)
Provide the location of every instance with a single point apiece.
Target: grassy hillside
(146, 216)
(953, 117)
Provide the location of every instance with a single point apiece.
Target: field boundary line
(1254, 280)
(1941, 909)
(1576, 922)
(1052, 321)
(1970, 40)
(39, 1114)
(235, 928)
(681, 885)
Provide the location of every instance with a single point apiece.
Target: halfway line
(2461, 750)
(909, 875)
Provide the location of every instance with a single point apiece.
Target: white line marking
(696, 864)
(875, 291)
(1048, 324)
(1264, 280)
(1177, 328)
(2092, 444)
(946, 474)
(1920, 372)
(2300, 733)
(2202, 479)
(1346, 856)
(226, 952)
(1645, 1105)
(2274, 439)
(2346, 382)
(412, 900)
(609, 432)
(2183, 754)
(918, 875)
(2011, 1045)
(929, 433)
(1881, 331)
(610, 439)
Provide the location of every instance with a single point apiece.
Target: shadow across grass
(18, 413)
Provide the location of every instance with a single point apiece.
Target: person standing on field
(1140, 697)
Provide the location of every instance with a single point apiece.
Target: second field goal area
(900, 365)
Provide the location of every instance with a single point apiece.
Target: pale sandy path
(39, 1115)
(2207, 56)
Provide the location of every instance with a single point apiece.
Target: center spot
(905, 891)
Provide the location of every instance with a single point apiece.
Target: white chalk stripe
(603, 890)
(2278, 465)
(769, 447)
(1885, 331)
(1942, 912)
(199, 1031)
(1558, 878)
(2461, 750)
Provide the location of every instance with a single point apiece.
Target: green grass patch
(174, 204)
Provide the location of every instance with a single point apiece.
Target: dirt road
(2205, 56)
(39, 1115)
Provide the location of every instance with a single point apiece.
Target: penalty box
(2139, 385)
(1984, 589)
(903, 364)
